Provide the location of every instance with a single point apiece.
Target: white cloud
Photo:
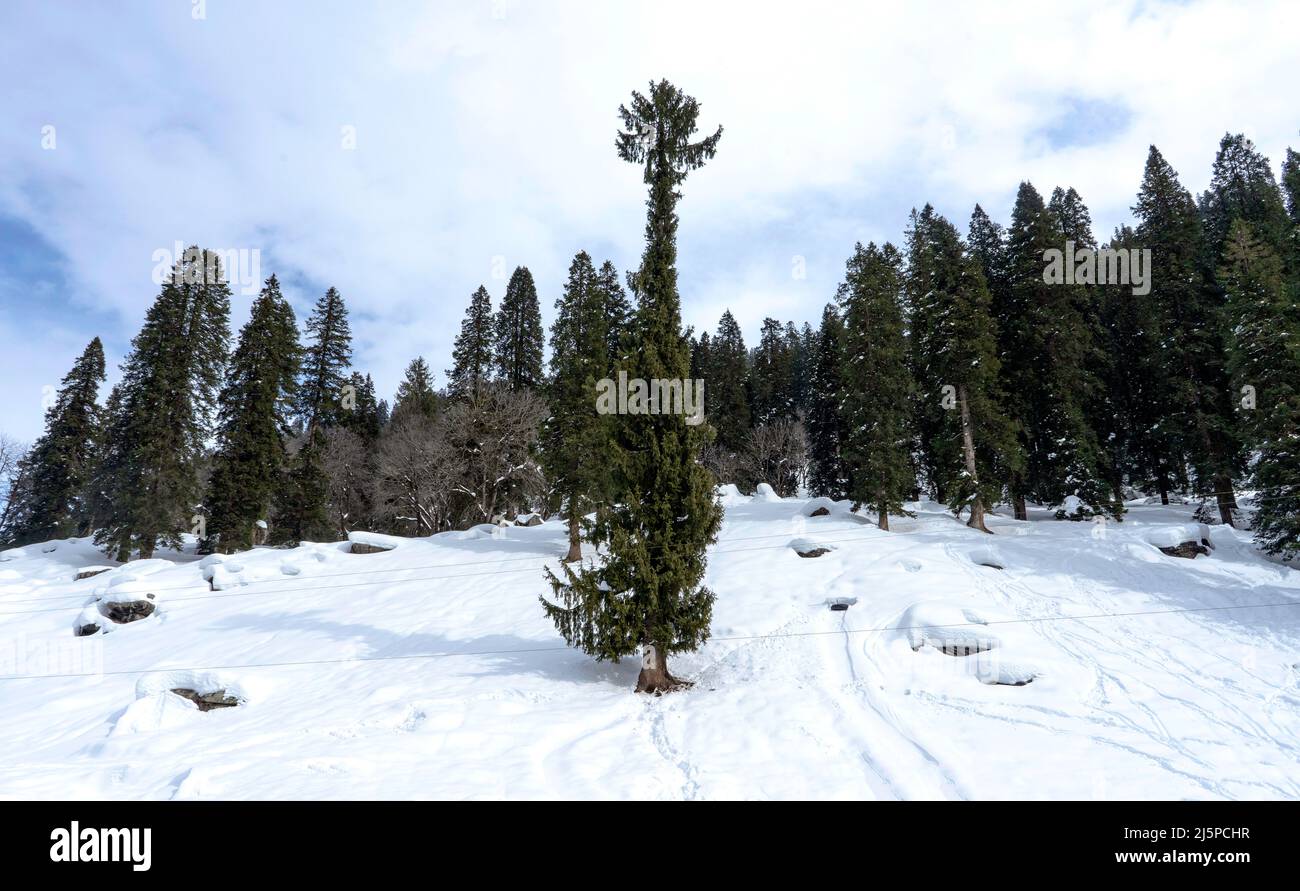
(480, 136)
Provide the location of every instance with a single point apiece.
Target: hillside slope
(429, 671)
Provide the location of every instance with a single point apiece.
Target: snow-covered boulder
(1186, 540)
(372, 542)
(529, 520)
(765, 492)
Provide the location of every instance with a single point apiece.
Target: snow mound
(728, 494)
(947, 628)
(375, 540)
(1170, 536)
(765, 493)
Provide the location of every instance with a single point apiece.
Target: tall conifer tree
(472, 354)
(253, 423)
(518, 330)
(52, 501)
(147, 482)
(878, 389)
(647, 593)
(826, 433)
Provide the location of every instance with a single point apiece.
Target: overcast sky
(484, 139)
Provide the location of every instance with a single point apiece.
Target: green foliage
(518, 330)
(55, 472)
(877, 385)
(647, 591)
(472, 354)
(254, 405)
(147, 488)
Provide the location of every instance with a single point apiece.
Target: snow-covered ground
(1090, 666)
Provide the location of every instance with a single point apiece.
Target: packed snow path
(1090, 665)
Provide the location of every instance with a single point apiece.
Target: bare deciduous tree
(417, 471)
(350, 469)
(493, 434)
(777, 454)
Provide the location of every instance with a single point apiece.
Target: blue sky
(484, 139)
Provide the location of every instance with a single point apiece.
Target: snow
(429, 671)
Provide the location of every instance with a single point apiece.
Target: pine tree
(254, 422)
(727, 374)
(1242, 187)
(147, 486)
(472, 354)
(878, 390)
(302, 501)
(827, 476)
(618, 311)
(55, 472)
(987, 242)
(1198, 422)
(648, 594)
(325, 363)
(518, 330)
(1264, 361)
(700, 357)
(1136, 384)
(364, 418)
(800, 342)
(576, 439)
(415, 393)
(772, 376)
(954, 356)
(1051, 381)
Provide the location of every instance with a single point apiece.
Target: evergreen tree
(878, 389)
(415, 393)
(618, 311)
(472, 354)
(727, 394)
(1198, 422)
(325, 363)
(801, 359)
(1242, 187)
(827, 476)
(987, 242)
(1051, 381)
(1136, 384)
(518, 330)
(147, 486)
(55, 472)
(364, 416)
(253, 423)
(647, 593)
(700, 357)
(954, 356)
(772, 376)
(1264, 361)
(576, 439)
(302, 502)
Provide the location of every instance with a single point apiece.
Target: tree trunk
(654, 677)
(1022, 512)
(883, 521)
(976, 520)
(575, 538)
(1223, 490)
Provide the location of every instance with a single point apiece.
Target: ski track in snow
(790, 700)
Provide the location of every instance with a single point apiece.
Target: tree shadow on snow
(491, 655)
